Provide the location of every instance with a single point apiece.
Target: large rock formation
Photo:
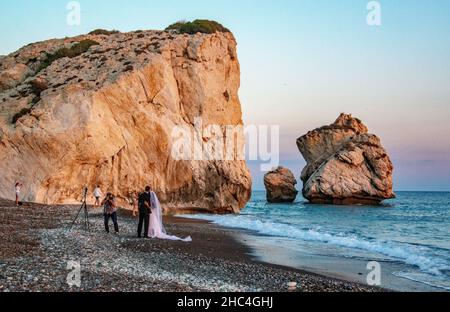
(280, 186)
(101, 109)
(345, 164)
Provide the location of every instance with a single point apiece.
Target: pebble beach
(37, 246)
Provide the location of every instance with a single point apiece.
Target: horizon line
(395, 191)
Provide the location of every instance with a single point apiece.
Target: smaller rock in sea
(280, 186)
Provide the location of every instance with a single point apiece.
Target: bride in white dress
(156, 228)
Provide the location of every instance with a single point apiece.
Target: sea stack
(102, 108)
(280, 186)
(345, 165)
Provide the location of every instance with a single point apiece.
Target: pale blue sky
(304, 62)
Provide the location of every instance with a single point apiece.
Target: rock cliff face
(280, 186)
(101, 109)
(345, 164)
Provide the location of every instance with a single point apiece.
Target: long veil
(157, 229)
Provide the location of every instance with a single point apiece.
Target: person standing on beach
(156, 226)
(17, 188)
(110, 212)
(144, 205)
(134, 198)
(97, 194)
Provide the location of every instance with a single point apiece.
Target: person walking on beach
(17, 188)
(110, 212)
(97, 194)
(144, 206)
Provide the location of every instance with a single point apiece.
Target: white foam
(443, 284)
(403, 252)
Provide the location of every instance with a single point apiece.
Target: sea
(402, 245)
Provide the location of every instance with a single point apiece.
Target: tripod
(86, 214)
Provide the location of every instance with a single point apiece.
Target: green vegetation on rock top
(198, 26)
(76, 50)
(103, 32)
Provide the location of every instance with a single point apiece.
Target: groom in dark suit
(145, 204)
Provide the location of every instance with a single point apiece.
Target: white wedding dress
(156, 228)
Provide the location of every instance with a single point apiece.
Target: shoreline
(36, 248)
(246, 251)
(262, 250)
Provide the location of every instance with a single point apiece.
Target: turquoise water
(411, 231)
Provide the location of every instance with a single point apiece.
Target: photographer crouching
(110, 211)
